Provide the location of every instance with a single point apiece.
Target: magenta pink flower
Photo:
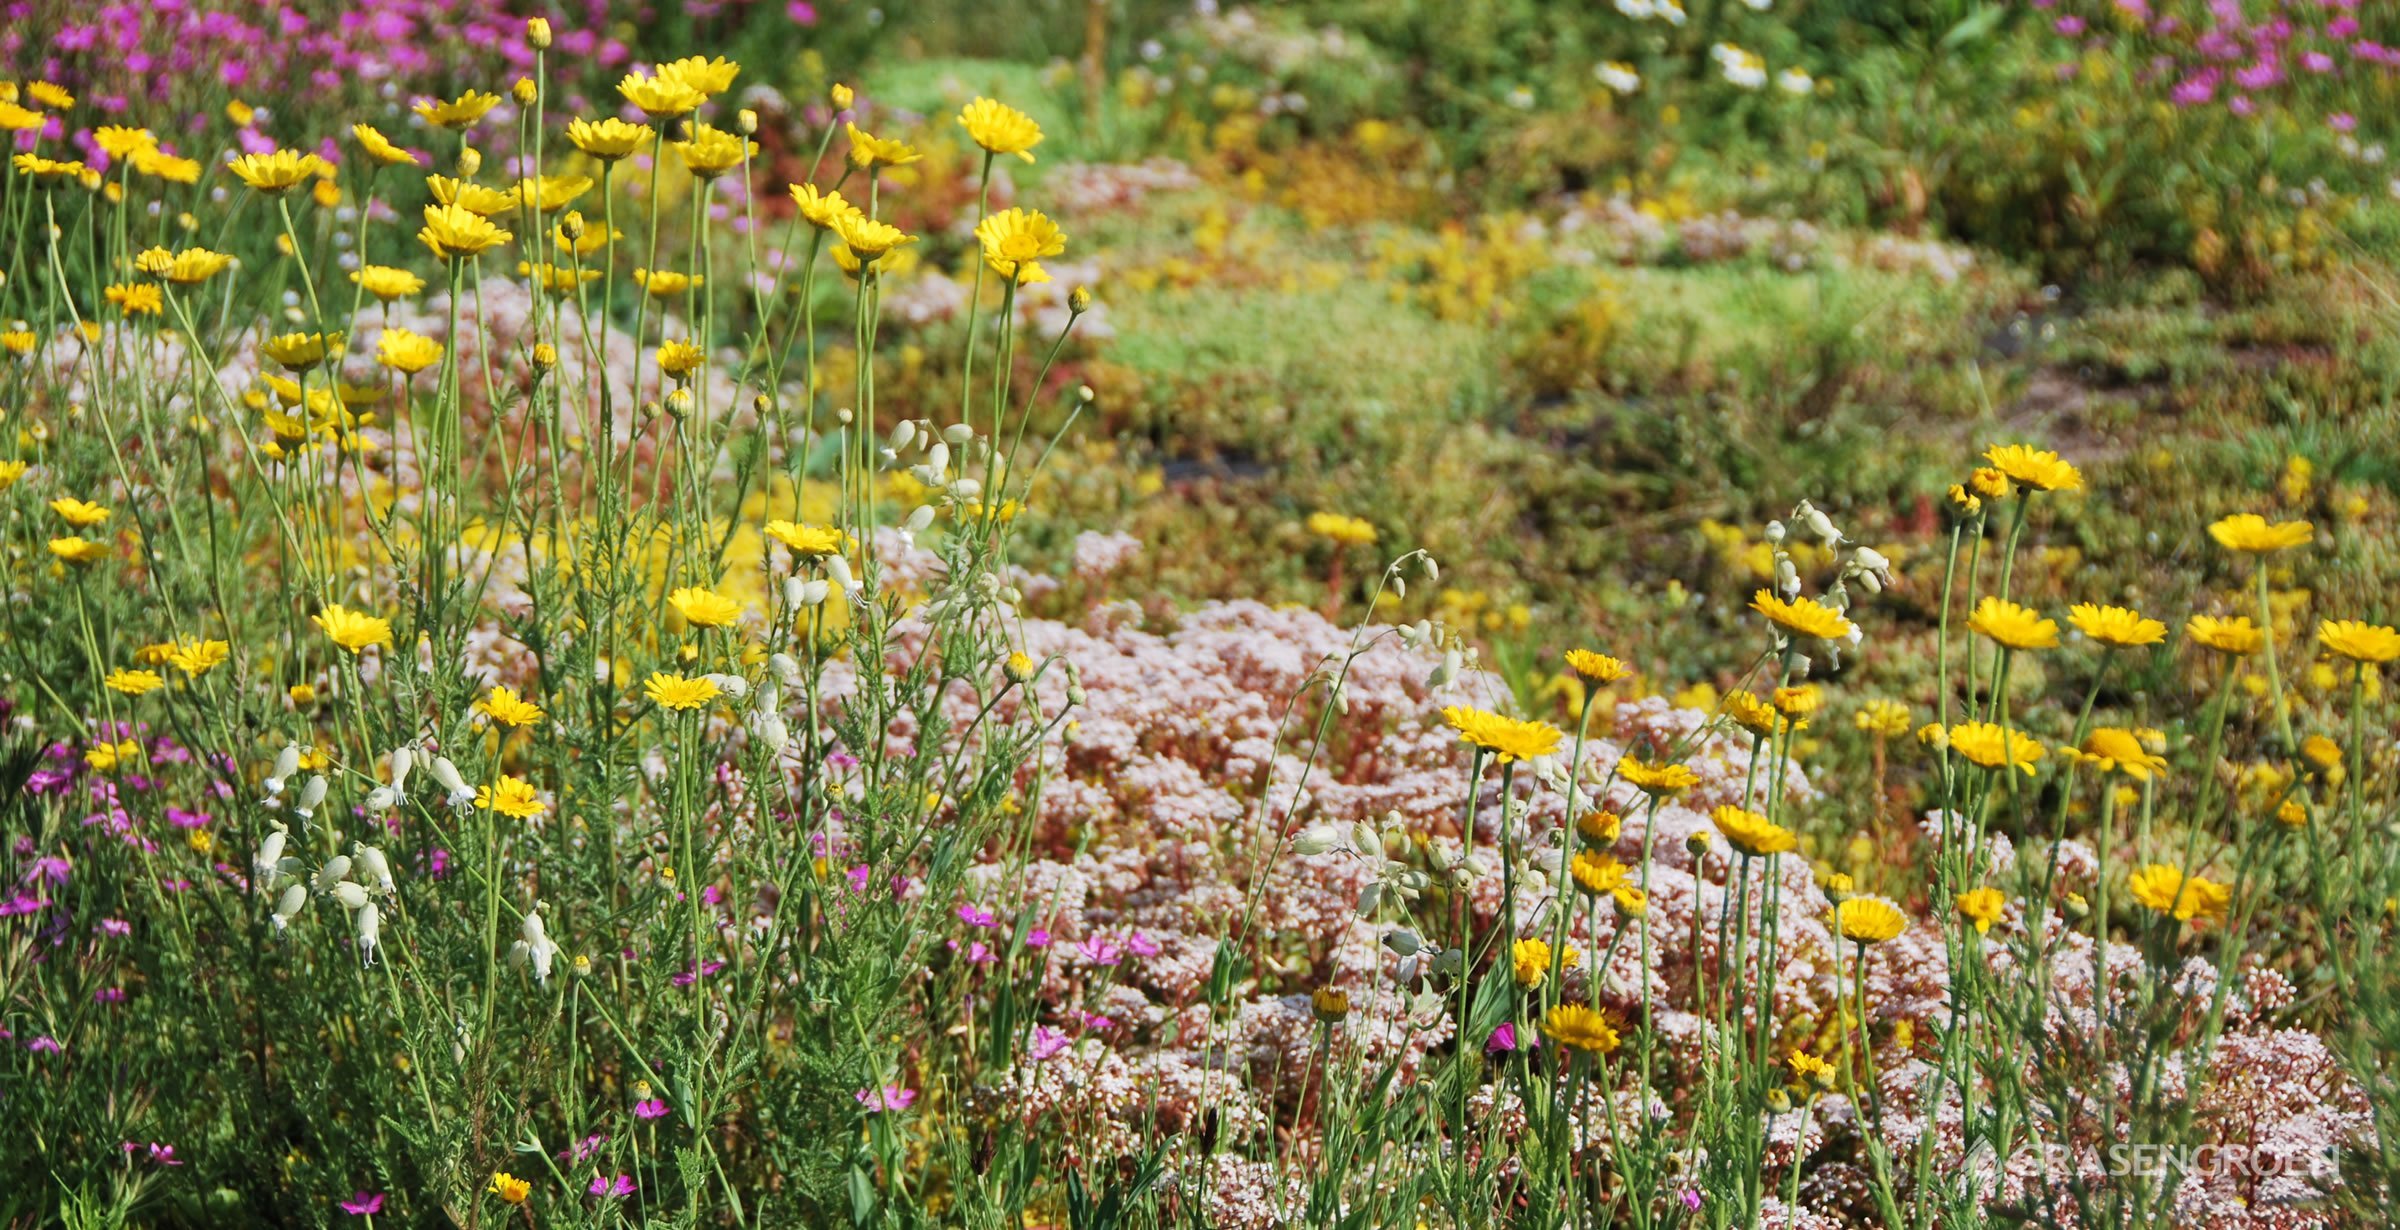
(1047, 1042)
(363, 1204)
(617, 1188)
(890, 1097)
(650, 1108)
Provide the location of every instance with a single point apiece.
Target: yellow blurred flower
(1752, 833)
(458, 113)
(133, 682)
(2255, 535)
(1345, 530)
(1995, 747)
(713, 151)
(1982, 906)
(2111, 749)
(2017, 627)
(2359, 641)
(1888, 718)
(868, 150)
(2116, 625)
(2236, 636)
(704, 608)
(2166, 890)
(380, 147)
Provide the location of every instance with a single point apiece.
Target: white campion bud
(921, 520)
(771, 733)
(1452, 660)
(769, 698)
(966, 489)
(310, 795)
(1787, 578)
(785, 666)
(1399, 585)
(1775, 533)
(370, 932)
(1369, 898)
(1317, 839)
(270, 857)
(458, 794)
(382, 798)
(958, 433)
(371, 864)
(288, 908)
(351, 894)
(1402, 941)
(731, 685)
(1817, 523)
(905, 434)
(1364, 839)
(1433, 570)
(332, 872)
(287, 762)
(404, 759)
(937, 459)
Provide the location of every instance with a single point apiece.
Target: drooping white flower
(293, 901)
(287, 762)
(269, 858)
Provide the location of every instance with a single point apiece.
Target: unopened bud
(523, 91)
(679, 403)
(1317, 840)
(745, 121)
(842, 96)
(537, 33)
(1328, 1005)
(1079, 300)
(310, 795)
(470, 160)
